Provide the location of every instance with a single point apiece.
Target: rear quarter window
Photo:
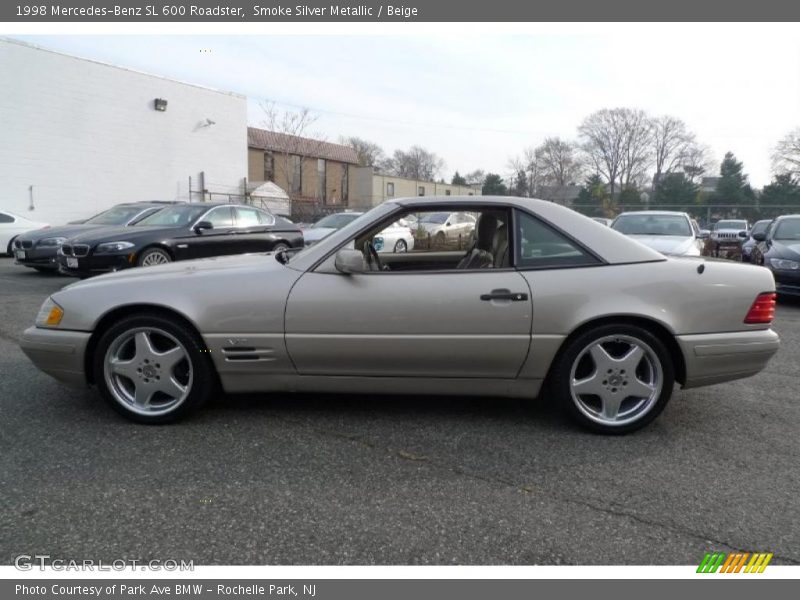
(541, 246)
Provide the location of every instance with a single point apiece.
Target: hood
(121, 234)
(315, 234)
(785, 249)
(262, 261)
(65, 231)
(666, 244)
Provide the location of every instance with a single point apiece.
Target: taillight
(763, 309)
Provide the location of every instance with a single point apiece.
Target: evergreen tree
(458, 179)
(781, 196)
(593, 198)
(493, 185)
(674, 191)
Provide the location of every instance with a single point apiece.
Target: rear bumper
(60, 354)
(717, 357)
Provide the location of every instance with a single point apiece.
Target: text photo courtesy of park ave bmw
(318, 300)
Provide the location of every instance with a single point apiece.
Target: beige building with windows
(368, 188)
(307, 169)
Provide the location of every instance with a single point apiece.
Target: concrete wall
(86, 136)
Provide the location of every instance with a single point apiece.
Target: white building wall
(85, 135)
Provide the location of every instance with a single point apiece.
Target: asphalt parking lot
(392, 480)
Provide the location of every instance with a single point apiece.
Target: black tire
(400, 246)
(561, 379)
(10, 248)
(280, 247)
(149, 253)
(440, 240)
(203, 381)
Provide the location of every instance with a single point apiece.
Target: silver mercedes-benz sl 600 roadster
(532, 299)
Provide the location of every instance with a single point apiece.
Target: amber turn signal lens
(54, 316)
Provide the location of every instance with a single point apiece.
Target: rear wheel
(614, 379)
(152, 369)
(154, 256)
(280, 247)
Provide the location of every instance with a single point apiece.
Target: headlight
(50, 314)
(112, 247)
(53, 241)
(784, 265)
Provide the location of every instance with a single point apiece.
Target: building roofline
(32, 46)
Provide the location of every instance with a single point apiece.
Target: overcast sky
(478, 100)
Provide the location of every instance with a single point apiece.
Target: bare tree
(475, 177)
(671, 142)
(696, 161)
(416, 163)
(292, 141)
(557, 162)
(369, 154)
(637, 155)
(603, 138)
(786, 156)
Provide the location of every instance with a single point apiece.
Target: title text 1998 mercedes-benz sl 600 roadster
(534, 297)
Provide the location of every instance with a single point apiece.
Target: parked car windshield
(740, 225)
(788, 229)
(653, 225)
(336, 221)
(434, 218)
(759, 227)
(175, 216)
(118, 215)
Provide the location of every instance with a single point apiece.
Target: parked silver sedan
(543, 302)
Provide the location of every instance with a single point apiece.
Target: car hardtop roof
(461, 200)
(654, 212)
(782, 217)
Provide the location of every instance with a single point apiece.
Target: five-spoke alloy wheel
(615, 378)
(152, 369)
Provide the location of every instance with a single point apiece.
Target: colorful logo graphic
(734, 562)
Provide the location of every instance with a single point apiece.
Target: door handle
(505, 295)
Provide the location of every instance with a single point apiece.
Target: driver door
(444, 323)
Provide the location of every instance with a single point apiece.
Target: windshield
(760, 227)
(175, 216)
(119, 215)
(788, 229)
(434, 218)
(653, 225)
(730, 225)
(336, 221)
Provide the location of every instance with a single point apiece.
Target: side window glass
(539, 245)
(247, 217)
(265, 218)
(220, 217)
(4, 218)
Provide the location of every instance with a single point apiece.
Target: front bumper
(58, 353)
(94, 265)
(44, 257)
(787, 283)
(716, 357)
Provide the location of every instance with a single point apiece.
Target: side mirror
(703, 234)
(760, 236)
(349, 261)
(202, 226)
(743, 235)
(447, 224)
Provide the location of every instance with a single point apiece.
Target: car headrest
(487, 227)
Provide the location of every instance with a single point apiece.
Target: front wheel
(152, 369)
(400, 246)
(280, 247)
(154, 256)
(614, 379)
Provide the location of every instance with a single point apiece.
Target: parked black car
(38, 249)
(778, 249)
(750, 242)
(178, 233)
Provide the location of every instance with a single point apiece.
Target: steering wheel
(371, 255)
